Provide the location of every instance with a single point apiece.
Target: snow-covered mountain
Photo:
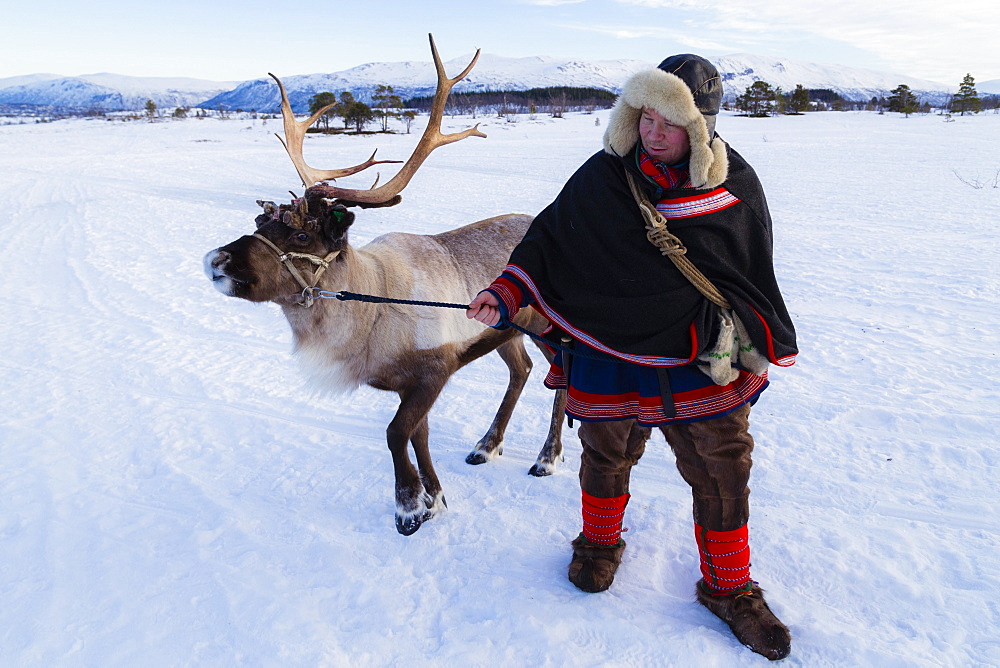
(991, 87)
(413, 78)
(497, 73)
(107, 92)
(853, 83)
(7, 82)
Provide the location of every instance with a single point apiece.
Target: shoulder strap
(673, 247)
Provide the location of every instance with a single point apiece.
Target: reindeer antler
(431, 139)
(295, 132)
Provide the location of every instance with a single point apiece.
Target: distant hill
(991, 87)
(107, 92)
(27, 79)
(417, 79)
(852, 83)
(410, 79)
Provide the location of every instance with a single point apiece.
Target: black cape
(594, 273)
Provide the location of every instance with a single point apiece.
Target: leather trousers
(713, 456)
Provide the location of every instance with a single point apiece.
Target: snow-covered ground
(172, 495)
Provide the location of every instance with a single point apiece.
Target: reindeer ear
(270, 208)
(336, 220)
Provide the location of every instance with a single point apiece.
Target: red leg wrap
(725, 559)
(602, 519)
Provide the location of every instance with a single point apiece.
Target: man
(649, 348)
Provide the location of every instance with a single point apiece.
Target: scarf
(665, 176)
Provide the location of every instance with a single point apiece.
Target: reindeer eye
(303, 237)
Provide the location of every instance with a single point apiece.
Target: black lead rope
(344, 296)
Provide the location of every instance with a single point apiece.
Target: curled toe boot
(593, 566)
(750, 619)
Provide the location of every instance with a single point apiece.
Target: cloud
(551, 3)
(689, 39)
(920, 37)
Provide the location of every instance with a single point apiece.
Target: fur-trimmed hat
(686, 90)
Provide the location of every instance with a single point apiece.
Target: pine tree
(408, 117)
(343, 107)
(780, 105)
(320, 100)
(903, 100)
(967, 99)
(352, 111)
(150, 110)
(799, 101)
(385, 99)
(758, 100)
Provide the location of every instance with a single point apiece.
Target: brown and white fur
(410, 350)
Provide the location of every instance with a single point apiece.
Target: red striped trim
(507, 292)
(784, 361)
(602, 518)
(696, 205)
(706, 402)
(555, 378)
(580, 335)
(725, 558)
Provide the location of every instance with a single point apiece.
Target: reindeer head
(306, 236)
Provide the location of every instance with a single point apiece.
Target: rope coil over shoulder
(671, 246)
(734, 342)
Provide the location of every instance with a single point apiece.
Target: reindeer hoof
(475, 458)
(409, 525)
(541, 470)
(547, 460)
(478, 456)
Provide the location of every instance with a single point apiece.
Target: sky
(223, 40)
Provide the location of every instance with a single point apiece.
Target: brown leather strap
(286, 259)
(673, 247)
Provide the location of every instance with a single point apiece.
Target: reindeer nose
(221, 257)
(213, 261)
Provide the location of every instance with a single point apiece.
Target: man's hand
(484, 308)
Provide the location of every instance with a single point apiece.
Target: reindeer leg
(434, 495)
(413, 503)
(518, 364)
(552, 450)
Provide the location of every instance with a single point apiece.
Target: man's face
(663, 140)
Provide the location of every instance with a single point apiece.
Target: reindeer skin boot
(593, 566)
(750, 619)
(597, 551)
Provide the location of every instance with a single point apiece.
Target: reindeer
(410, 350)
